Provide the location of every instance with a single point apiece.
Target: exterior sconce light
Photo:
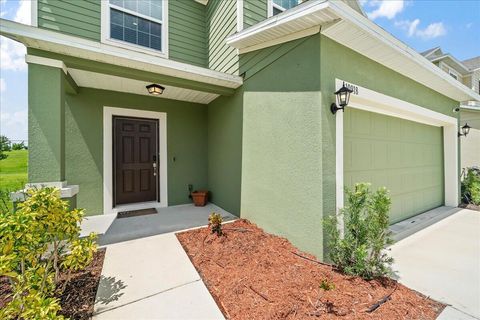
(343, 96)
(155, 89)
(465, 130)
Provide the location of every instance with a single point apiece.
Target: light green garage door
(404, 156)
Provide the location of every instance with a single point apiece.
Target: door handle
(154, 164)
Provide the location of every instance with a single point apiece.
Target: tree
(5, 144)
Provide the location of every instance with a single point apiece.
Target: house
(468, 73)
(241, 105)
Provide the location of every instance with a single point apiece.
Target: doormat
(136, 213)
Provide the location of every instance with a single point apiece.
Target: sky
(451, 24)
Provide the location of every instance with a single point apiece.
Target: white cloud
(24, 12)
(14, 123)
(433, 30)
(3, 85)
(386, 8)
(12, 55)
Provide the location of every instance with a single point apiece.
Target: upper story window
(453, 75)
(137, 23)
(278, 6)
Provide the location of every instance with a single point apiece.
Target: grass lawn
(13, 170)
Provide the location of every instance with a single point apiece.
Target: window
(278, 6)
(453, 75)
(140, 23)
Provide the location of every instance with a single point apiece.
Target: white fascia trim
(105, 31)
(290, 37)
(108, 113)
(348, 14)
(46, 62)
(448, 55)
(372, 101)
(97, 51)
(431, 51)
(204, 2)
(297, 12)
(34, 13)
(239, 15)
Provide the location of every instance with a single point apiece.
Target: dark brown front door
(135, 159)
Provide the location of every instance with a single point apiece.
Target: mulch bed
(470, 206)
(255, 275)
(78, 299)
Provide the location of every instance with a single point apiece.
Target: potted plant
(200, 198)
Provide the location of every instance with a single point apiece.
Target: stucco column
(46, 124)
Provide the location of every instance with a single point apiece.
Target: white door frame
(108, 113)
(369, 100)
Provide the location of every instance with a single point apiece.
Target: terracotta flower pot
(200, 198)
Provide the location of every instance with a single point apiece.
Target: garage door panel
(404, 156)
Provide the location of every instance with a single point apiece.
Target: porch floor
(167, 220)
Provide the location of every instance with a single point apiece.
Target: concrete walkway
(443, 262)
(152, 278)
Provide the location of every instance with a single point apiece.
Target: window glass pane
(287, 4)
(135, 30)
(276, 11)
(150, 8)
(156, 9)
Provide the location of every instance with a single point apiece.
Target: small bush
(471, 187)
(361, 250)
(215, 223)
(38, 241)
(19, 146)
(327, 285)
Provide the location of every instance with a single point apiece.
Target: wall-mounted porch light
(343, 96)
(465, 130)
(155, 89)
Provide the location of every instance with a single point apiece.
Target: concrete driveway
(443, 262)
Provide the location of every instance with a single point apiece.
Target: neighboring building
(245, 111)
(470, 145)
(467, 71)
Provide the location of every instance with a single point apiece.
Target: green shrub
(19, 146)
(215, 223)
(471, 187)
(39, 240)
(361, 249)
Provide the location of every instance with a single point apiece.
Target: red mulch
(79, 296)
(254, 275)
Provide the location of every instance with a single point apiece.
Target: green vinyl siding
(254, 11)
(72, 17)
(404, 156)
(221, 22)
(82, 18)
(187, 32)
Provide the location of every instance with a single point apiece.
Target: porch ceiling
(95, 56)
(95, 80)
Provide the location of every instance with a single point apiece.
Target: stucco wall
(282, 147)
(186, 141)
(225, 116)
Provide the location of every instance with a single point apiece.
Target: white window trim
(239, 15)
(34, 13)
(108, 113)
(271, 5)
(372, 101)
(105, 29)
